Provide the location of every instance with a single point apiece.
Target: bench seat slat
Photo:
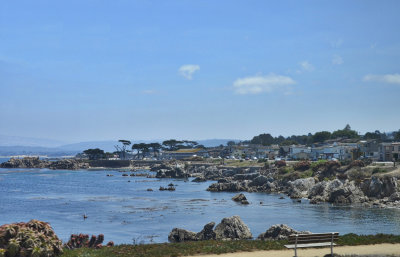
(308, 245)
(311, 236)
(310, 241)
(314, 235)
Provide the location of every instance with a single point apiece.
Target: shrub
(35, 238)
(302, 165)
(280, 163)
(342, 176)
(82, 240)
(286, 170)
(315, 166)
(378, 170)
(357, 175)
(307, 174)
(356, 163)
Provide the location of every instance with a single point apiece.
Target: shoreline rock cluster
(231, 228)
(330, 184)
(35, 162)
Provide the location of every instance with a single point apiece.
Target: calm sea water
(125, 211)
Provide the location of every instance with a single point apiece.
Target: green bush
(286, 170)
(378, 170)
(307, 174)
(35, 238)
(315, 166)
(302, 165)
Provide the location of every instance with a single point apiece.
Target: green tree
(397, 135)
(321, 136)
(347, 133)
(155, 147)
(94, 154)
(171, 145)
(122, 150)
(263, 139)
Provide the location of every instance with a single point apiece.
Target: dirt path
(380, 249)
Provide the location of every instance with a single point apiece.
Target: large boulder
(394, 197)
(300, 187)
(347, 193)
(250, 176)
(239, 197)
(232, 228)
(279, 232)
(207, 233)
(232, 186)
(261, 181)
(322, 190)
(379, 187)
(172, 172)
(303, 184)
(181, 235)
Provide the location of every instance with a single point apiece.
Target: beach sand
(379, 249)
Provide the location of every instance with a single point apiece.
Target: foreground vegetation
(215, 247)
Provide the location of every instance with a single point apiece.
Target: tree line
(321, 136)
(140, 150)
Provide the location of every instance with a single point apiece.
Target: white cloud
(387, 78)
(305, 65)
(262, 84)
(188, 70)
(337, 60)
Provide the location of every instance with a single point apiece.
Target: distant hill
(29, 141)
(9, 148)
(34, 150)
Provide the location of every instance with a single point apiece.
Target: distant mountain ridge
(33, 147)
(29, 141)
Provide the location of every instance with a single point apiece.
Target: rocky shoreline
(319, 182)
(329, 182)
(35, 162)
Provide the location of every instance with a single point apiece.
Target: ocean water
(3, 159)
(126, 212)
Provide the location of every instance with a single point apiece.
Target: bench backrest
(313, 238)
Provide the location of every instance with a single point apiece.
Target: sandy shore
(379, 249)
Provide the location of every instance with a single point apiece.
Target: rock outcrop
(169, 171)
(231, 228)
(241, 198)
(279, 232)
(35, 162)
(379, 187)
(207, 233)
(181, 235)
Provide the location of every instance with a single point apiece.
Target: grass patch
(307, 174)
(214, 247)
(177, 249)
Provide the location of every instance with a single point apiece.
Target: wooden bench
(312, 240)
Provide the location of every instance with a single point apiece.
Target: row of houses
(373, 150)
(338, 151)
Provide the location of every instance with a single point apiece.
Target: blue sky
(94, 70)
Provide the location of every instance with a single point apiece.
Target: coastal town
(347, 146)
